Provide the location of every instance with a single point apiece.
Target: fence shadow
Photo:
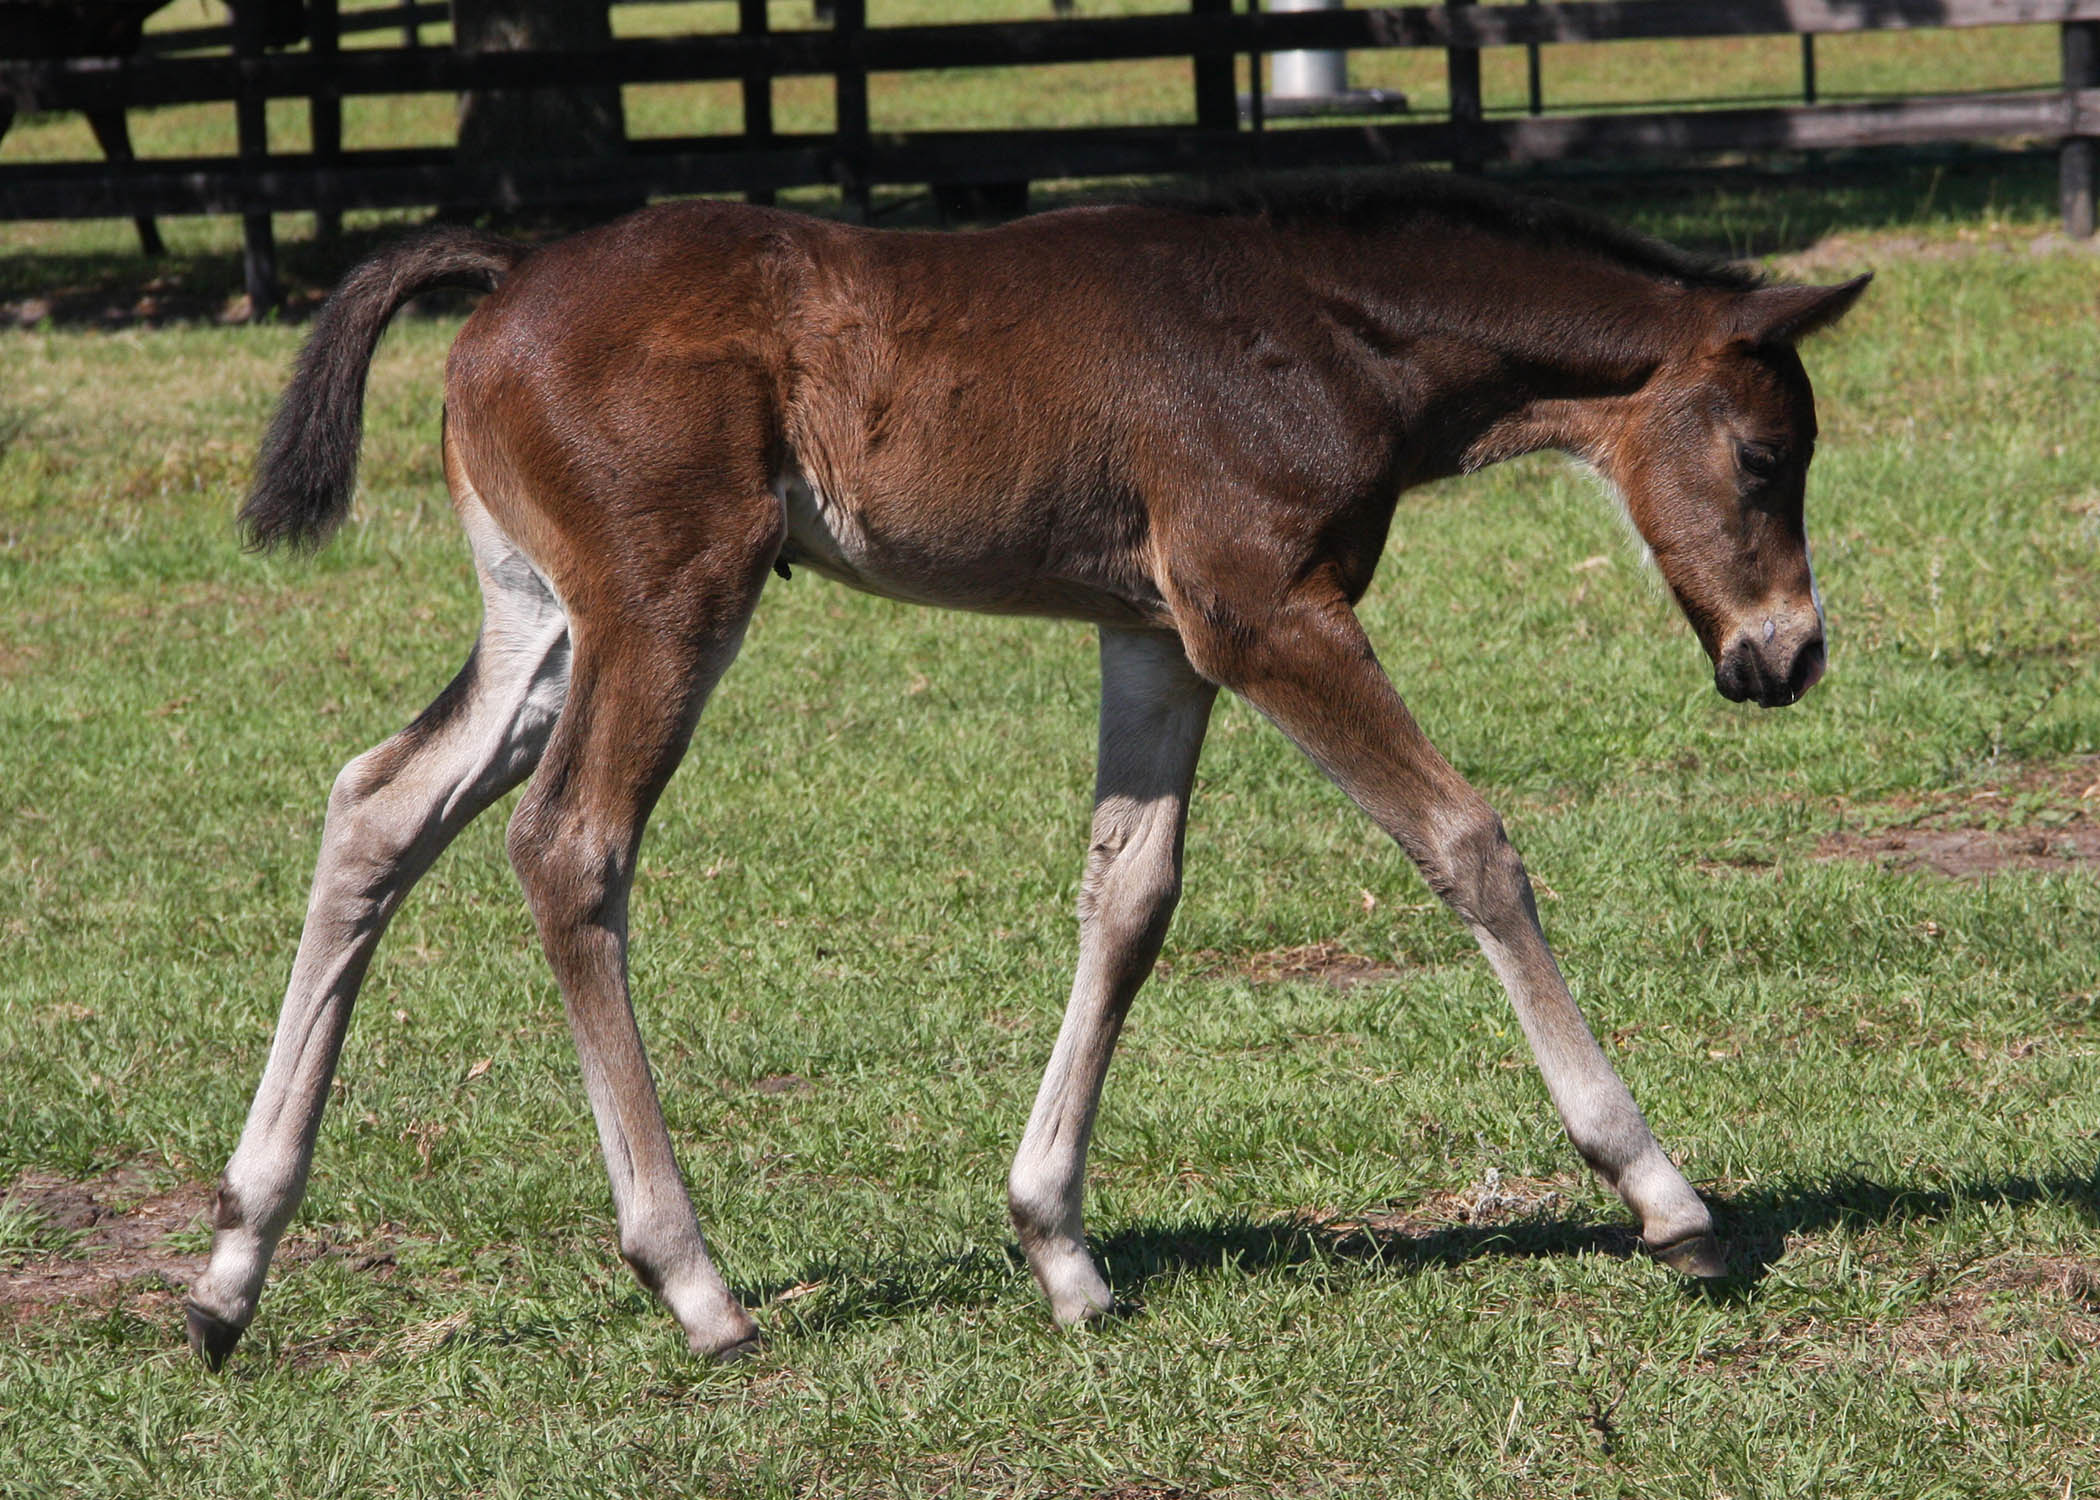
(1736, 210)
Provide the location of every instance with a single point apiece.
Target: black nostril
(1807, 669)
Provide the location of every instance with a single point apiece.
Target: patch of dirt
(1968, 853)
(119, 1238)
(2000, 1316)
(117, 1250)
(1327, 963)
(159, 302)
(1848, 254)
(2041, 818)
(783, 1083)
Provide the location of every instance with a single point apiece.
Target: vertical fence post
(1808, 67)
(411, 33)
(1534, 80)
(1462, 69)
(1217, 101)
(1256, 109)
(325, 114)
(753, 24)
(850, 104)
(2075, 165)
(252, 131)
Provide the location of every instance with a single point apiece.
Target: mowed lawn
(1360, 1255)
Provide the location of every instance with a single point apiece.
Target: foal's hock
(1188, 424)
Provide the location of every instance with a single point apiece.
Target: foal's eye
(1758, 463)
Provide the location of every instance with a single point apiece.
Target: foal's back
(1016, 419)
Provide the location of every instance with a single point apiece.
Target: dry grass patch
(1326, 962)
(1492, 1201)
(115, 1239)
(2043, 819)
(113, 1234)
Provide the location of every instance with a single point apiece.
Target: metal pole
(1308, 75)
(753, 22)
(325, 111)
(1217, 101)
(849, 20)
(1256, 111)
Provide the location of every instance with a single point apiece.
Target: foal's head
(1712, 458)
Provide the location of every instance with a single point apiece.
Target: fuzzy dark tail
(308, 465)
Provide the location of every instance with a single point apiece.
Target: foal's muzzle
(1774, 673)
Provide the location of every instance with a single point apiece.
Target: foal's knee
(1469, 861)
(1132, 882)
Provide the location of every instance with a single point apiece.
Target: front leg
(1154, 710)
(1299, 655)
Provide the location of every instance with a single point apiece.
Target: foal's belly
(983, 561)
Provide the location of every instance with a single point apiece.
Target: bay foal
(1187, 425)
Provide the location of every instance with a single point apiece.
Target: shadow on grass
(1740, 210)
(1755, 1226)
(116, 289)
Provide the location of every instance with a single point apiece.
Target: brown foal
(1188, 424)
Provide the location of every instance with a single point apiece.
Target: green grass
(864, 877)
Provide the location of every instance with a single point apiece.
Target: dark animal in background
(51, 30)
(1188, 425)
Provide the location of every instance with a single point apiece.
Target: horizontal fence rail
(293, 183)
(1211, 34)
(84, 83)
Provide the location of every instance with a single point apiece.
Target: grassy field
(1363, 1259)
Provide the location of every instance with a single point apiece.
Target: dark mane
(1369, 201)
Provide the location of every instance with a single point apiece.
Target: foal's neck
(1525, 346)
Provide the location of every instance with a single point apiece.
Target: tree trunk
(517, 128)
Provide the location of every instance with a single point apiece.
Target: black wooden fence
(1213, 34)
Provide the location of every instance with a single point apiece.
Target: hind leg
(393, 810)
(650, 646)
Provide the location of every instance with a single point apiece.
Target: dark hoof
(742, 1349)
(1696, 1255)
(211, 1336)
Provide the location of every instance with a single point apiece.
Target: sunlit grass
(864, 875)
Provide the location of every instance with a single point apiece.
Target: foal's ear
(1787, 314)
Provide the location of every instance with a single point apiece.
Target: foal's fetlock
(1677, 1228)
(1071, 1282)
(716, 1325)
(1683, 1239)
(727, 1345)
